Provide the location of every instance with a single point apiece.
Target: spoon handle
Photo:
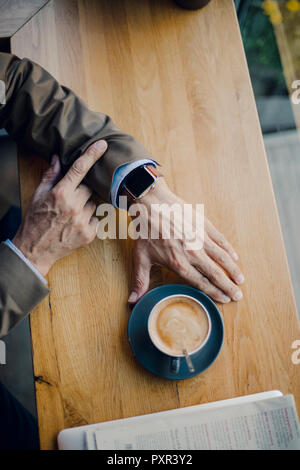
(188, 361)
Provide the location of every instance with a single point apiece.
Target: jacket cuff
(21, 290)
(122, 149)
(120, 175)
(13, 247)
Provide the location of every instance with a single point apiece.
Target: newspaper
(264, 424)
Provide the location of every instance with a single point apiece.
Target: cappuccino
(177, 323)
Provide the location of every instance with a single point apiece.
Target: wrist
(160, 193)
(41, 264)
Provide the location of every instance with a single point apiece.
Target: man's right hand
(60, 216)
(212, 269)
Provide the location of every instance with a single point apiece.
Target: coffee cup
(178, 323)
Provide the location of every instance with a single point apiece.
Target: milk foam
(179, 323)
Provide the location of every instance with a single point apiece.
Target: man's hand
(211, 269)
(60, 216)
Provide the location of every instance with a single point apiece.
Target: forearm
(47, 118)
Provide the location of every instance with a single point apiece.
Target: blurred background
(271, 36)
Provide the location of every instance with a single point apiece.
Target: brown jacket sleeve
(48, 118)
(20, 289)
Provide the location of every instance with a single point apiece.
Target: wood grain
(179, 82)
(15, 13)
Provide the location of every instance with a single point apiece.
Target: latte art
(178, 323)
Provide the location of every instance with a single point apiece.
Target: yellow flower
(293, 5)
(276, 17)
(270, 7)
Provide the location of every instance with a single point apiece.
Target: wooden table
(179, 82)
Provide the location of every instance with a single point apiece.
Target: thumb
(141, 277)
(50, 178)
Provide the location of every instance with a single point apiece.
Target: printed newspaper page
(265, 424)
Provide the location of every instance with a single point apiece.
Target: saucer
(157, 362)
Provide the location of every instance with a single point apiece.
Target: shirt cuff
(23, 258)
(120, 175)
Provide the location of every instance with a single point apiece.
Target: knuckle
(79, 167)
(233, 290)
(139, 282)
(194, 253)
(235, 272)
(71, 210)
(216, 275)
(207, 245)
(86, 233)
(222, 259)
(230, 289)
(204, 284)
(183, 270)
(222, 241)
(176, 264)
(89, 237)
(81, 228)
(94, 221)
(93, 151)
(58, 194)
(206, 287)
(86, 237)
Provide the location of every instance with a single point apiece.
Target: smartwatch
(139, 182)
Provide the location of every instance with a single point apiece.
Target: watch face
(138, 181)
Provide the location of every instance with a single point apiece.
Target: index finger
(83, 164)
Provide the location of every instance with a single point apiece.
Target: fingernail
(133, 297)
(240, 279)
(235, 256)
(101, 145)
(225, 299)
(237, 296)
